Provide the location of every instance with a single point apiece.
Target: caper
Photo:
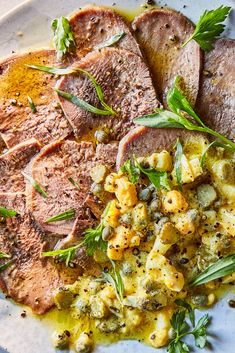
(127, 269)
(63, 298)
(150, 304)
(106, 233)
(154, 205)
(101, 136)
(144, 194)
(156, 216)
(199, 299)
(96, 189)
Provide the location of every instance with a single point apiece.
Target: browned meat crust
(13, 163)
(17, 122)
(161, 32)
(126, 85)
(216, 101)
(94, 25)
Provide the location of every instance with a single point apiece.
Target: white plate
(33, 18)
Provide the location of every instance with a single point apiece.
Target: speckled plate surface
(32, 19)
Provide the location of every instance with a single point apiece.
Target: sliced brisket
(161, 32)
(93, 25)
(216, 101)
(127, 88)
(17, 82)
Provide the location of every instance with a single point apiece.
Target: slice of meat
(52, 168)
(13, 162)
(161, 32)
(127, 88)
(93, 25)
(143, 141)
(17, 82)
(14, 200)
(216, 101)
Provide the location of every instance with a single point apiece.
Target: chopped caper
(127, 269)
(199, 299)
(126, 218)
(144, 194)
(108, 326)
(101, 136)
(154, 205)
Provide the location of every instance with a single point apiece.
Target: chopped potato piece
(186, 222)
(111, 218)
(114, 253)
(161, 161)
(120, 241)
(126, 192)
(228, 191)
(140, 216)
(110, 182)
(224, 171)
(174, 202)
(168, 233)
(227, 219)
(98, 173)
(160, 337)
(160, 247)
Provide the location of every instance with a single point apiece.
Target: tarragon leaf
(111, 41)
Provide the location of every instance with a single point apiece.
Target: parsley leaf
(209, 27)
(158, 179)
(132, 172)
(63, 37)
(188, 307)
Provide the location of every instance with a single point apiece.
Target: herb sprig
(4, 266)
(64, 255)
(81, 103)
(111, 41)
(3, 255)
(115, 279)
(32, 105)
(158, 179)
(68, 214)
(35, 184)
(176, 118)
(6, 213)
(63, 37)
(132, 171)
(209, 27)
(73, 182)
(178, 163)
(220, 268)
(181, 329)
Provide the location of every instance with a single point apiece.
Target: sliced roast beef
(17, 121)
(161, 32)
(127, 88)
(54, 168)
(94, 25)
(13, 201)
(216, 101)
(143, 141)
(13, 163)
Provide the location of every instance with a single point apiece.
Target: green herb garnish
(3, 255)
(209, 27)
(63, 37)
(69, 214)
(221, 268)
(132, 172)
(115, 279)
(181, 329)
(158, 179)
(111, 41)
(6, 213)
(175, 118)
(32, 105)
(35, 184)
(67, 71)
(178, 163)
(6, 265)
(64, 255)
(73, 182)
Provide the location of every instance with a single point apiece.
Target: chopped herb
(175, 119)
(35, 184)
(132, 172)
(64, 255)
(158, 179)
(115, 279)
(68, 71)
(209, 27)
(181, 329)
(32, 105)
(3, 255)
(73, 182)
(6, 213)
(69, 214)
(81, 103)
(63, 37)
(6, 265)
(221, 268)
(178, 163)
(111, 41)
